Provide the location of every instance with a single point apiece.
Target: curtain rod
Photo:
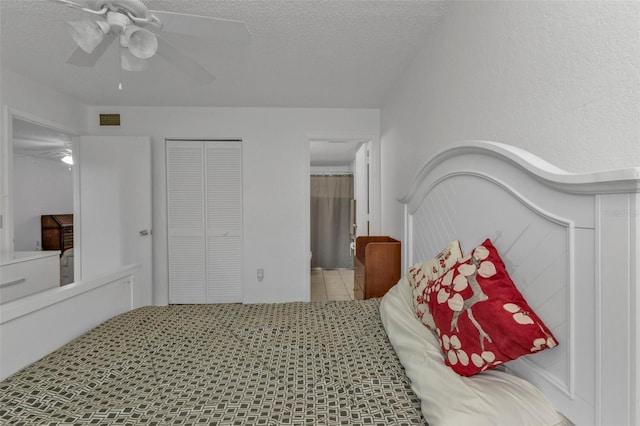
(331, 174)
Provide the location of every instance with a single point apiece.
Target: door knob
(144, 232)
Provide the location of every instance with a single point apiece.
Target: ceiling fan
(136, 29)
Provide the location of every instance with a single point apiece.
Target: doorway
(339, 210)
(331, 221)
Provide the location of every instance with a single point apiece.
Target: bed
(295, 363)
(569, 242)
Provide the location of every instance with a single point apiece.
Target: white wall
(558, 78)
(275, 182)
(41, 186)
(38, 101)
(276, 171)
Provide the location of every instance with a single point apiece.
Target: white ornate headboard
(571, 243)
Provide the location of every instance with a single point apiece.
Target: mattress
(232, 364)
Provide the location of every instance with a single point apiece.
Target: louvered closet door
(224, 221)
(204, 197)
(185, 216)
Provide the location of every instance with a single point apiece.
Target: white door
(361, 189)
(204, 214)
(115, 208)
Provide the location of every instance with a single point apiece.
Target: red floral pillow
(482, 319)
(420, 276)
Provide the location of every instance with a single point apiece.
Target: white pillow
(489, 398)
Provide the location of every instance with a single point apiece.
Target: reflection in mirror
(43, 192)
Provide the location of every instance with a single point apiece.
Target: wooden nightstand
(376, 266)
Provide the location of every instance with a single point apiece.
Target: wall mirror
(38, 187)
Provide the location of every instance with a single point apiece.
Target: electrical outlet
(260, 274)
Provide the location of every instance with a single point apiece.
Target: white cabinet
(204, 200)
(25, 273)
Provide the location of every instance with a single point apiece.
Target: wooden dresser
(377, 266)
(57, 231)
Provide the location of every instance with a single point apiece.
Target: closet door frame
(204, 257)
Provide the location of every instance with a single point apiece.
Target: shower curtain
(330, 221)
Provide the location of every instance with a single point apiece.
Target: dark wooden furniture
(377, 266)
(57, 232)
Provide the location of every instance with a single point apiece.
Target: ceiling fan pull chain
(120, 71)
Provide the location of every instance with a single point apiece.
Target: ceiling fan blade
(70, 4)
(82, 59)
(202, 26)
(184, 63)
(84, 6)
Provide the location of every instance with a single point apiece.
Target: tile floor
(331, 284)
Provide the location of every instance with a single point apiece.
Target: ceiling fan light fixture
(129, 62)
(67, 159)
(142, 44)
(88, 34)
(129, 21)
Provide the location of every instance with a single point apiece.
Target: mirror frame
(6, 176)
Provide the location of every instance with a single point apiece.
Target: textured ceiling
(304, 53)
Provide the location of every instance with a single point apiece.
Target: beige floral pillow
(421, 275)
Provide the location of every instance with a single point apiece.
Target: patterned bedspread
(292, 363)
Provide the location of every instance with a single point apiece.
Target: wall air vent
(109, 119)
